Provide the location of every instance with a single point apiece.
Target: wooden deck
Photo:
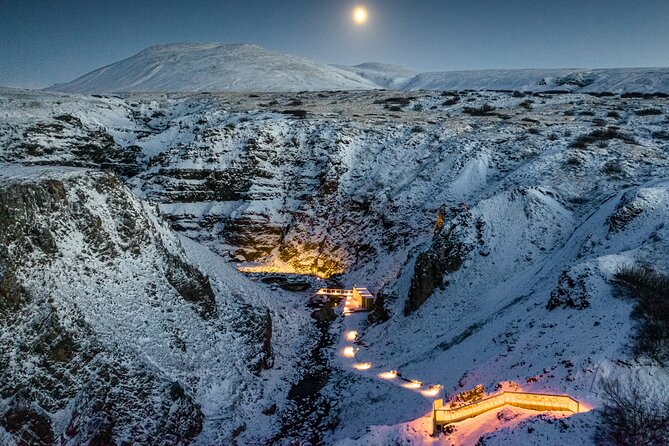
(534, 401)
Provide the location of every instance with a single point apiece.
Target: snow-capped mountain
(490, 224)
(212, 67)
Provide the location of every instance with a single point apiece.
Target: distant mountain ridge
(214, 67)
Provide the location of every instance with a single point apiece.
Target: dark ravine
(307, 417)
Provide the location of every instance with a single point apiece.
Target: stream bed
(307, 417)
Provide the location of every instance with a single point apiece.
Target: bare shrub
(297, 113)
(648, 112)
(629, 417)
(650, 289)
(484, 110)
(600, 135)
(612, 168)
(527, 104)
(661, 135)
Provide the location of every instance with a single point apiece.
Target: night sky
(44, 42)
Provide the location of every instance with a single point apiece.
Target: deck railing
(534, 401)
(334, 292)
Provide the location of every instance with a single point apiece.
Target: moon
(360, 15)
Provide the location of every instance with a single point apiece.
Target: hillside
(491, 224)
(110, 330)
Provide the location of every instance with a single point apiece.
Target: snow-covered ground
(542, 198)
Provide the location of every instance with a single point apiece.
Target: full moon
(360, 15)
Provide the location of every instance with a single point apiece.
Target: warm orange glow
(282, 268)
(350, 305)
(334, 292)
(362, 366)
(388, 375)
(413, 384)
(539, 402)
(360, 15)
(583, 407)
(351, 335)
(431, 391)
(348, 352)
(304, 259)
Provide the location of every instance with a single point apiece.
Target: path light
(348, 352)
(388, 375)
(413, 384)
(362, 366)
(351, 335)
(431, 391)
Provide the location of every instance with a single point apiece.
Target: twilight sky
(45, 41)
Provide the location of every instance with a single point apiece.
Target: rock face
(285, 193)
(570, 293)
(193, 286)
(446, 254)
(72, 144)
(81, 262)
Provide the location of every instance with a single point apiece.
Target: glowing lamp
(388, 375)
(431, 391)
(362, 366)
(413, 384)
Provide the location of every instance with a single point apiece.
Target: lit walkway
(441, 415)
(540, 402)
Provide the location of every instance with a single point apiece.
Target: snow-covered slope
(614, 80)
(393, 77)
(541, 198)
(110, 331)
(214, 67)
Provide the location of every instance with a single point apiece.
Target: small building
(363, 298)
